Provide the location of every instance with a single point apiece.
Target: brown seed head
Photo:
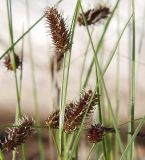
(95, 133)
(8, 62)
(53, 120)
(59, 32)
(18, 134)
(93, 16)
(74, 112)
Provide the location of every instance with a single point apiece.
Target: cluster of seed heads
(74, 111)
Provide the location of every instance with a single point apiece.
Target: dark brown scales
(95, 133)
(53, 120)
(18, 134)
(59, 32)
(8, 62)
(74, 113)
(93, 16)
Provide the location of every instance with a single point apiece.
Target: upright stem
(133, 57)
(65, 79)
(18, 108)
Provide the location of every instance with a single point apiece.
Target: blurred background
(38, 42)
(25, 13)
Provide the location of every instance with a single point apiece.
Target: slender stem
(55, 142)
(97, 84)
(129, 65)
(84, 61)
(65, 78)
(20, 86)
(116, 46)
(62, 107)
(113, 117)
(133, 77)
(10, 23)
(100, 43)
(91, 150)
(1, 155)
(127, 149)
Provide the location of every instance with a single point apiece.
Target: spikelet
(94, 15)
(8, 62)
(96, 132)
(18, 134)
(59, 32)
(74, 113)
(53, 120)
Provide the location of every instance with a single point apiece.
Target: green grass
(132, 82)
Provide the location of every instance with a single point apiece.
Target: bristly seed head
(53, 120)
(95, 133)
(8, 62)
(74, 112)
(59, 32)
(18, 133)
(93, 16)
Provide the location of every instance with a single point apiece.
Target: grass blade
(127, 149)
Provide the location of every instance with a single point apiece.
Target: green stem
(129, 145)
(18, 108)
(91, 150)
(100, 43)
(65, 79)
(55, 143)
(1, 155)
(84, 61)
(133, 77)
